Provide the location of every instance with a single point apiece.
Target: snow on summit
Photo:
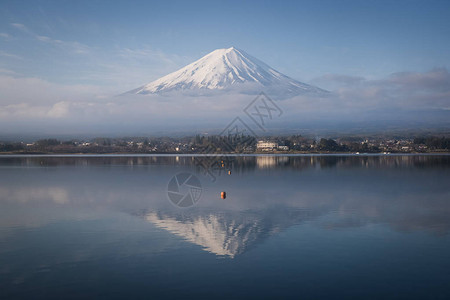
(227, 69)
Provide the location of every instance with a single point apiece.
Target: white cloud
(70, 46)
(122, 67)
(15, 90)
(7, 72)
(407, 90)
(9, 55)
(34, 103)
(20, 26)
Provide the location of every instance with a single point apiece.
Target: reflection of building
(264, 162)
(266, 146)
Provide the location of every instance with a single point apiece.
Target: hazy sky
(73, 52)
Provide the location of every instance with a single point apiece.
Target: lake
(299, 226)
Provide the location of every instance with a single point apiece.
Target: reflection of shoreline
(237, 163)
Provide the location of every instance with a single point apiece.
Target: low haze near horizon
(62, 63)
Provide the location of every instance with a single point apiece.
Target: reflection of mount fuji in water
(227, 233)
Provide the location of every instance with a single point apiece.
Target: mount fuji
(228, 70)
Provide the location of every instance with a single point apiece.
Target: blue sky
(63, 62)
(124, 44)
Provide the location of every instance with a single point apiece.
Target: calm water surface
(304, 227)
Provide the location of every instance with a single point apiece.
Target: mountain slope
(226, 69)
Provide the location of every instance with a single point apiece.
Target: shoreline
(217, 154)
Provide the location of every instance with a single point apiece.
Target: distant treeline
(433, 142)
(332, 146)
(216, 143)
(11, 147)
(226, 144)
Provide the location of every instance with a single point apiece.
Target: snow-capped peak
(225, 69)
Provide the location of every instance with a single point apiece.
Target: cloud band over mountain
(209, 99)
